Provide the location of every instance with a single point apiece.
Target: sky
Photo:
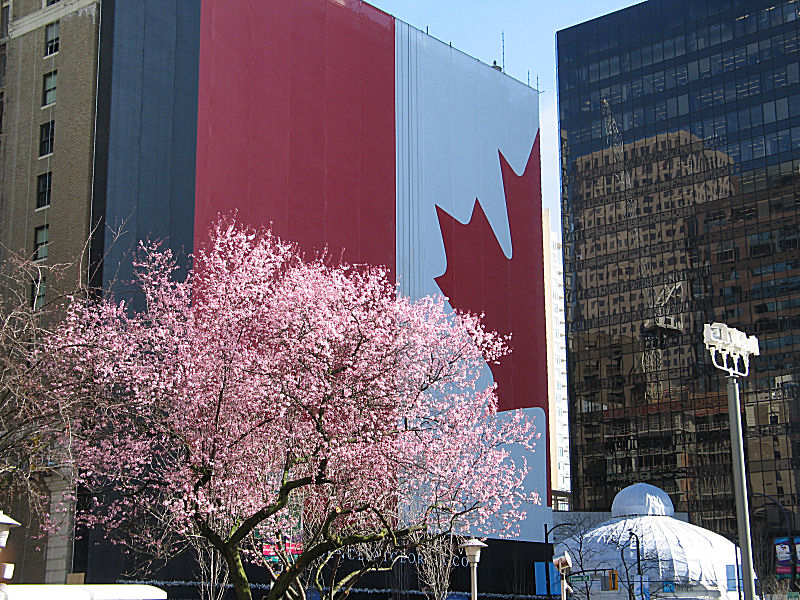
(529, 27)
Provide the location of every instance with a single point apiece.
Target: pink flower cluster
(264, 386)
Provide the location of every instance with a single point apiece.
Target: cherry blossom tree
(265, 394)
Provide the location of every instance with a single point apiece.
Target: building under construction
(680, 135)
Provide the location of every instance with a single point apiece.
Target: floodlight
(729, 342)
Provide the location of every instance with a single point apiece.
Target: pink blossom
(263, 391)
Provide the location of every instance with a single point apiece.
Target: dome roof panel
(641, 499)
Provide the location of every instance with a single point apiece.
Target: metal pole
(548, 559)
(793, 558)
(548, 553)
(740, 487)
(738, 575)
(633, 534)
(473, 572)
(563, 586)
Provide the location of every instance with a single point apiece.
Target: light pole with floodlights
(472, 548)
(729, 347)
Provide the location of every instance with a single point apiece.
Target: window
(46, 137)
(51, 39)
(44, 185)
(37, 293)
(760, 244)
(49, 88)
(40, 235)
(51, 2)
(727, 251)
(2, 64)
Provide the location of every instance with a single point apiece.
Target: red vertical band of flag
(296, 123)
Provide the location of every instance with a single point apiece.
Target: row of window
(638, 92)
(725, 60)
(44, 183)
(687, 40)
(746, 121)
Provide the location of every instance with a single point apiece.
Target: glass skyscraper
(680, 141)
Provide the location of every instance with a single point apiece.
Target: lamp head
(6, 523)
(472, 548)
(563, 563)
(730, 342)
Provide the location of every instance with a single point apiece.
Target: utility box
(610, 581)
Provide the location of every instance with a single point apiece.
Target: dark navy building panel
(147, 104)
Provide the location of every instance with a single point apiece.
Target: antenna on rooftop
(503, 42)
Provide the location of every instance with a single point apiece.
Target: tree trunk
(236, 573)
(281, 586)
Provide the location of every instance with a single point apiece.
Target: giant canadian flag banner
(350, 131)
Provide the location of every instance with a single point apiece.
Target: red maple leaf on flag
(510, 291)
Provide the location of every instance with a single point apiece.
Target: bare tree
(29, 425)
(33, 296)
(212, 570)
(435, 564)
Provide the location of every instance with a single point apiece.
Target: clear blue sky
(476, 27)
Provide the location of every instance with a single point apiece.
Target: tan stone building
(48, 83)
(48, 92)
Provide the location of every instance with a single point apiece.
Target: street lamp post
(632, 533)
(549, 556)
(564, 563)
(472, 548)
(729, 347)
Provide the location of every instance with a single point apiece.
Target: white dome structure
(678, 560)
(641, 499)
